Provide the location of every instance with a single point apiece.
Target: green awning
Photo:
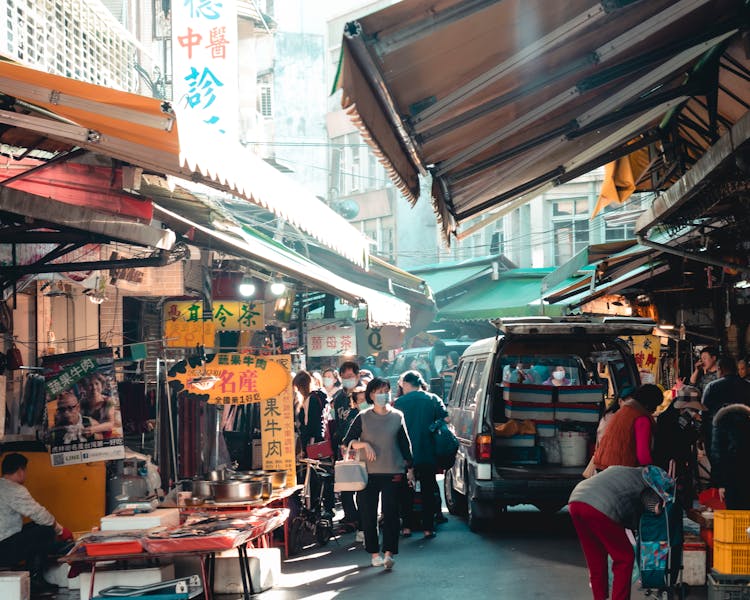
(441, 280)
(516, 293)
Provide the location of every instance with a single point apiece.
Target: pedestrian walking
(381, 433)
(602, 508)
(728, 388)
(730, 455)
(421, 409)
(349, 374)
(627, 439)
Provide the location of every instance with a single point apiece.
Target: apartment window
(265, 99)
(372, 171)
(570, 225)
(386, 248)
(614, 232)
(354, 166)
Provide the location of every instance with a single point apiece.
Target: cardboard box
(161, 517)
(694, 563)
(15, 585)
(107, 577)
(264, 565)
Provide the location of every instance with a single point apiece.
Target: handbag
(446, 444)
(350, 474)
(15, 360)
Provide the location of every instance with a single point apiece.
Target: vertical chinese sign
(83, 407)
(205, 62)
(245, 379)
(646, 351)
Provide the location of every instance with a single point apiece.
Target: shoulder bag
(350, 474)
(446, 444)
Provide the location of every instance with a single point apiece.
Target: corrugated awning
(502, 99)
(52, 114)
(382, 308)
(516, 293)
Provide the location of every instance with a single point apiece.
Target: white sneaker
(388, 562)
(377, 561)
(359, 537)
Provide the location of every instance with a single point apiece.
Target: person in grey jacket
(601, 508)
(381, 433)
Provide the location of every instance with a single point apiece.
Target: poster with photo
(83, 408)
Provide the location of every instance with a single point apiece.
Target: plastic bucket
(573, 448)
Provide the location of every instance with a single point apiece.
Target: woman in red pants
(602, 507)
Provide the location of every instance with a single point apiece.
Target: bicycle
(311, 522)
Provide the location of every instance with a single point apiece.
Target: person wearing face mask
(350, 521)
(558, 377)
(342, 419)
(381, 433)
(421, 410)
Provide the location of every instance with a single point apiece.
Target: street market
(280, 279)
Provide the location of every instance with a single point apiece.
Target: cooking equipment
(202, 488)
(235, 491)
(278, 478)
(217, 475)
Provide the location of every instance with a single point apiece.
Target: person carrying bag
(350, 473)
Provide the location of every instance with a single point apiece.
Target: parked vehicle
(428, 360)
(509, 378)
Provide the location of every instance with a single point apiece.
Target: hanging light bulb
(278, 288)
(246, 287)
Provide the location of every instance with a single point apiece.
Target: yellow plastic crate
(731, 559)
(731, 526)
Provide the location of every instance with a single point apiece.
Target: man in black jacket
(730, 455)
(729, 388)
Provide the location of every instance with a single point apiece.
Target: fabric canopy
(144, 132)
(501, 99)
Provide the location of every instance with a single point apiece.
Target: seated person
(33, 541)
(559, 377)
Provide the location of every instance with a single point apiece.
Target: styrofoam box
(529, 410)
(264, 565)
(108, 577)
(518, 441)
(546, 428)
(694, 563)
(161, 517)
(582, 413)
(527, 393)
(14, 585)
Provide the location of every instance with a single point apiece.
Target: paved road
(527, 555)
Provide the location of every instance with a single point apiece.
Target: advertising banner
(234, 378)
(184, 326)
(83, 407)
(646, 350)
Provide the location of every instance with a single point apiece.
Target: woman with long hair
(97, 404)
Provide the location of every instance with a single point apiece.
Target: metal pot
(236, 491)
(202, 488)
(278, 478)
(217, 475)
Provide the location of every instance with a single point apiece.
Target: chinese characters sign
(184, 326)
(331, 339)
(83, 407)
(205, 59)
(239, 378)
(646, 349)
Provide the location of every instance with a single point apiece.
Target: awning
(442, 277)
(144, 132)
(516, 293)
(382, 309)
(499, 100)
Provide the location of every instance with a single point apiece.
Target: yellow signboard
(236, 378)
(646, 351)
(184, 326)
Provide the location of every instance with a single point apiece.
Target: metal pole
(172, 445)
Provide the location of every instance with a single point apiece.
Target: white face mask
(349, 382)
(328, 381)
(559, 375)
(382, 399)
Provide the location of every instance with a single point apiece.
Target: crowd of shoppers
(349, 405)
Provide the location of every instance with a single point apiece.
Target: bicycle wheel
(296, 536)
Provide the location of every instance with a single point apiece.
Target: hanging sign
(231, 378)
(184, 326)
(83, 407)
(235, 378)
(646, 350)
(334, 338)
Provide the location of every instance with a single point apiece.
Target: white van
(525, 440)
